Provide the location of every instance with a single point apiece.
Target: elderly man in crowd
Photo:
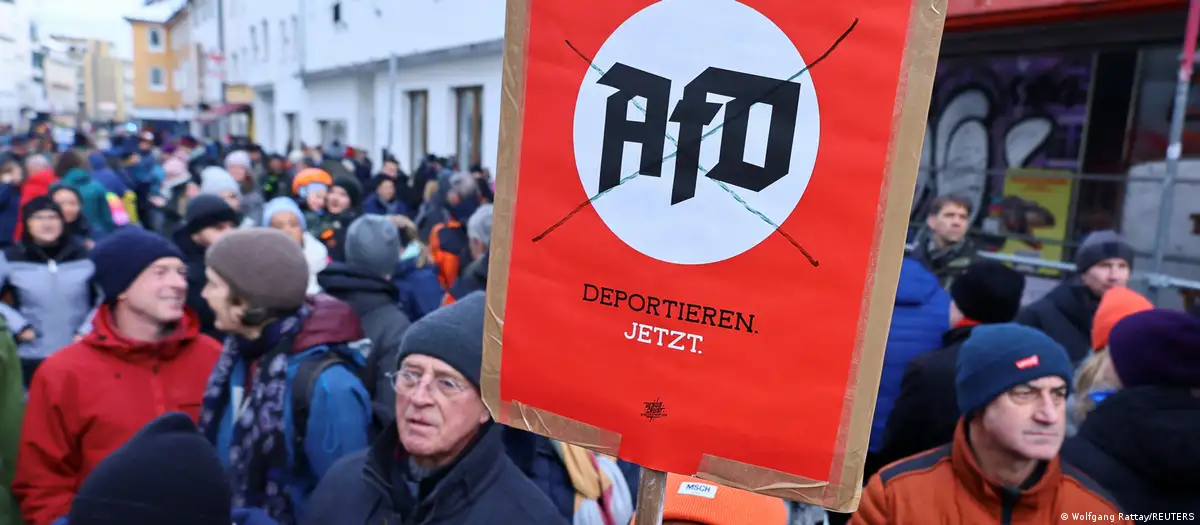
(443, 462)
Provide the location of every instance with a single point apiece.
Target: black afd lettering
(618, 129)
(693, 113)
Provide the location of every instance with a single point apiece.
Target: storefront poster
(1034, 207)
(700, 218)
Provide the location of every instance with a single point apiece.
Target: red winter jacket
(90, 397)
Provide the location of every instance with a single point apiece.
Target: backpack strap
(303, 386)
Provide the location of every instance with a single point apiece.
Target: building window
(296, 37)
(266, 32)
(158, 80)
(254, 42)
(418, 126)
(293, 132)
(470, 125)
(155, 35)
(283, 40)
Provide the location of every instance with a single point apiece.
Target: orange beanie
(1117, 303)
(707, 503)
(308, 176)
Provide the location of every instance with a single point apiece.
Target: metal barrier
(1081, 216)
(1153, 279)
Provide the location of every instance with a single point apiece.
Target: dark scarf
(259, 465)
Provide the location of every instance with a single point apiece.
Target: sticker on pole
(711, 139)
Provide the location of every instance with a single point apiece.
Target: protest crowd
(206, 333)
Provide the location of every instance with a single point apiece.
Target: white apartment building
(17, 90)
(320, 73)
(263, 51)
(63, 81)
(204, 40)
(127, 77)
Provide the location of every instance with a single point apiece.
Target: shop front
(1041, 109)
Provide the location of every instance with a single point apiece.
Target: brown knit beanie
(263, 266)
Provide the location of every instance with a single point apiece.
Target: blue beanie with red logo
(997, 357)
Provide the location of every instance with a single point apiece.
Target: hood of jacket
(329, 321)
(39, 183)
(917, 285)
(1153, 431)
(96, 161)
(77, 177)
(107, 338)
(363, 291)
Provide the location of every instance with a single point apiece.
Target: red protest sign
(700, 218)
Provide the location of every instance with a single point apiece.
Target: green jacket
(12, 411)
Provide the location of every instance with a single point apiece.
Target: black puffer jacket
(375, 301)
(1143, 445)
(1065, 314)
(481, 487)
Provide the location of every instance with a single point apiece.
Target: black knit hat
(352, 187)
(453, 334)
(988, 292)
(207, 210)
(166, 473)
(39, 203)
(121, 256)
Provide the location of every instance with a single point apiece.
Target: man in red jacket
(39, 176)
(144, 357)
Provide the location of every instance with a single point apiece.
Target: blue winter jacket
(106, 176)
(920, 317)
(420, 290)
(339, 414)
(10, 212)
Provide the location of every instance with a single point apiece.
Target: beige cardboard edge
(844, 488)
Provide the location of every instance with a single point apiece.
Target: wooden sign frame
(841, 488)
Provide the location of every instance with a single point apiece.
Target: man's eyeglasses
(406, 380)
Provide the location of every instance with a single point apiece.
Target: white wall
(61, 80)
(375, 29)
(369, 31)
(440, 81)
(16, 81)
(203, 20)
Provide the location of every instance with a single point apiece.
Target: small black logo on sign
(693, 113)
(654, 410)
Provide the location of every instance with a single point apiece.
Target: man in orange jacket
(144, 357)
(448, 241)
(1002, 467)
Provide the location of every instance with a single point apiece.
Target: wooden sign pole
(652, 487)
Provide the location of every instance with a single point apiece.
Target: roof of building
(159, 12)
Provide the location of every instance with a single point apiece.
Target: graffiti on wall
(992, 115)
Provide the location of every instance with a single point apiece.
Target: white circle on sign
(679, 40)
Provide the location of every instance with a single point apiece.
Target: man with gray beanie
(364, 282)
(443, 462)
(1102, 262)
(288, 374)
